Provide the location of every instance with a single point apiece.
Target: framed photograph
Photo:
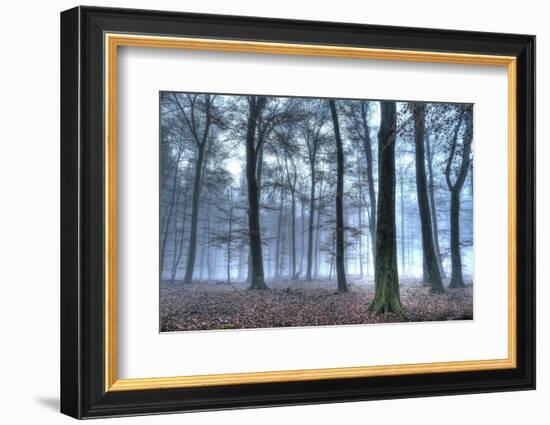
(261, 212)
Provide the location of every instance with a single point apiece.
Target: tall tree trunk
(302, 235)
(192, 248)
(456, 261)
(367, 146)
(201, 143)
(207, 248)
(455, 189)
(411, 244)
(241, 264)
(257, 267)
(428, 249)
(279, 230)
(177, 258)
(293, 232)
(367, 255)
(360, 240)
(386, 293)
(168, 218)
(318, 230)
(202, 251)
(332, 258)
(340, 260)
(175, 234)
(402, 204)
(249, 265)
(283, 242)
(175, 241)
(433, 208)
(359, 216)
(425, 273)
(259, 167)
(229, 237)
(311, 217)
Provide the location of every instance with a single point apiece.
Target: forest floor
(216, 305)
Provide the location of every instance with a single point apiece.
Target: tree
(428, 247)
(172, 202)
(370, 176)
(360, 130)
(386, 293)
(459, 160)
(256, 105)
(322, 198)
(340, 261)
(278, 248)
(176, 149)
(359, 206)
(291, 174)
(197, 114)
(303, 199)
(433, 205)
(226, 238)
(312, 127)
(178, 243)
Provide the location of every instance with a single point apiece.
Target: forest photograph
(292, 211)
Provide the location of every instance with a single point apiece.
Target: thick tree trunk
(257, 267)
(249, 265)
(386, 294)
(259, 167)
(456, 261)
(428, 250)
(425, 273)
(340, 260)
(192, 249)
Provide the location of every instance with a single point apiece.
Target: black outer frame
(82, 219)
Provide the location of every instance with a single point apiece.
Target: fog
(297, 175)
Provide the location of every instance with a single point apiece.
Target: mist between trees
(262, 189)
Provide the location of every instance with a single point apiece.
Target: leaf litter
(212, 305)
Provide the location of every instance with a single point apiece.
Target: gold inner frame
(113, 41)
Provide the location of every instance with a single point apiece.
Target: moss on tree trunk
(386, 293)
